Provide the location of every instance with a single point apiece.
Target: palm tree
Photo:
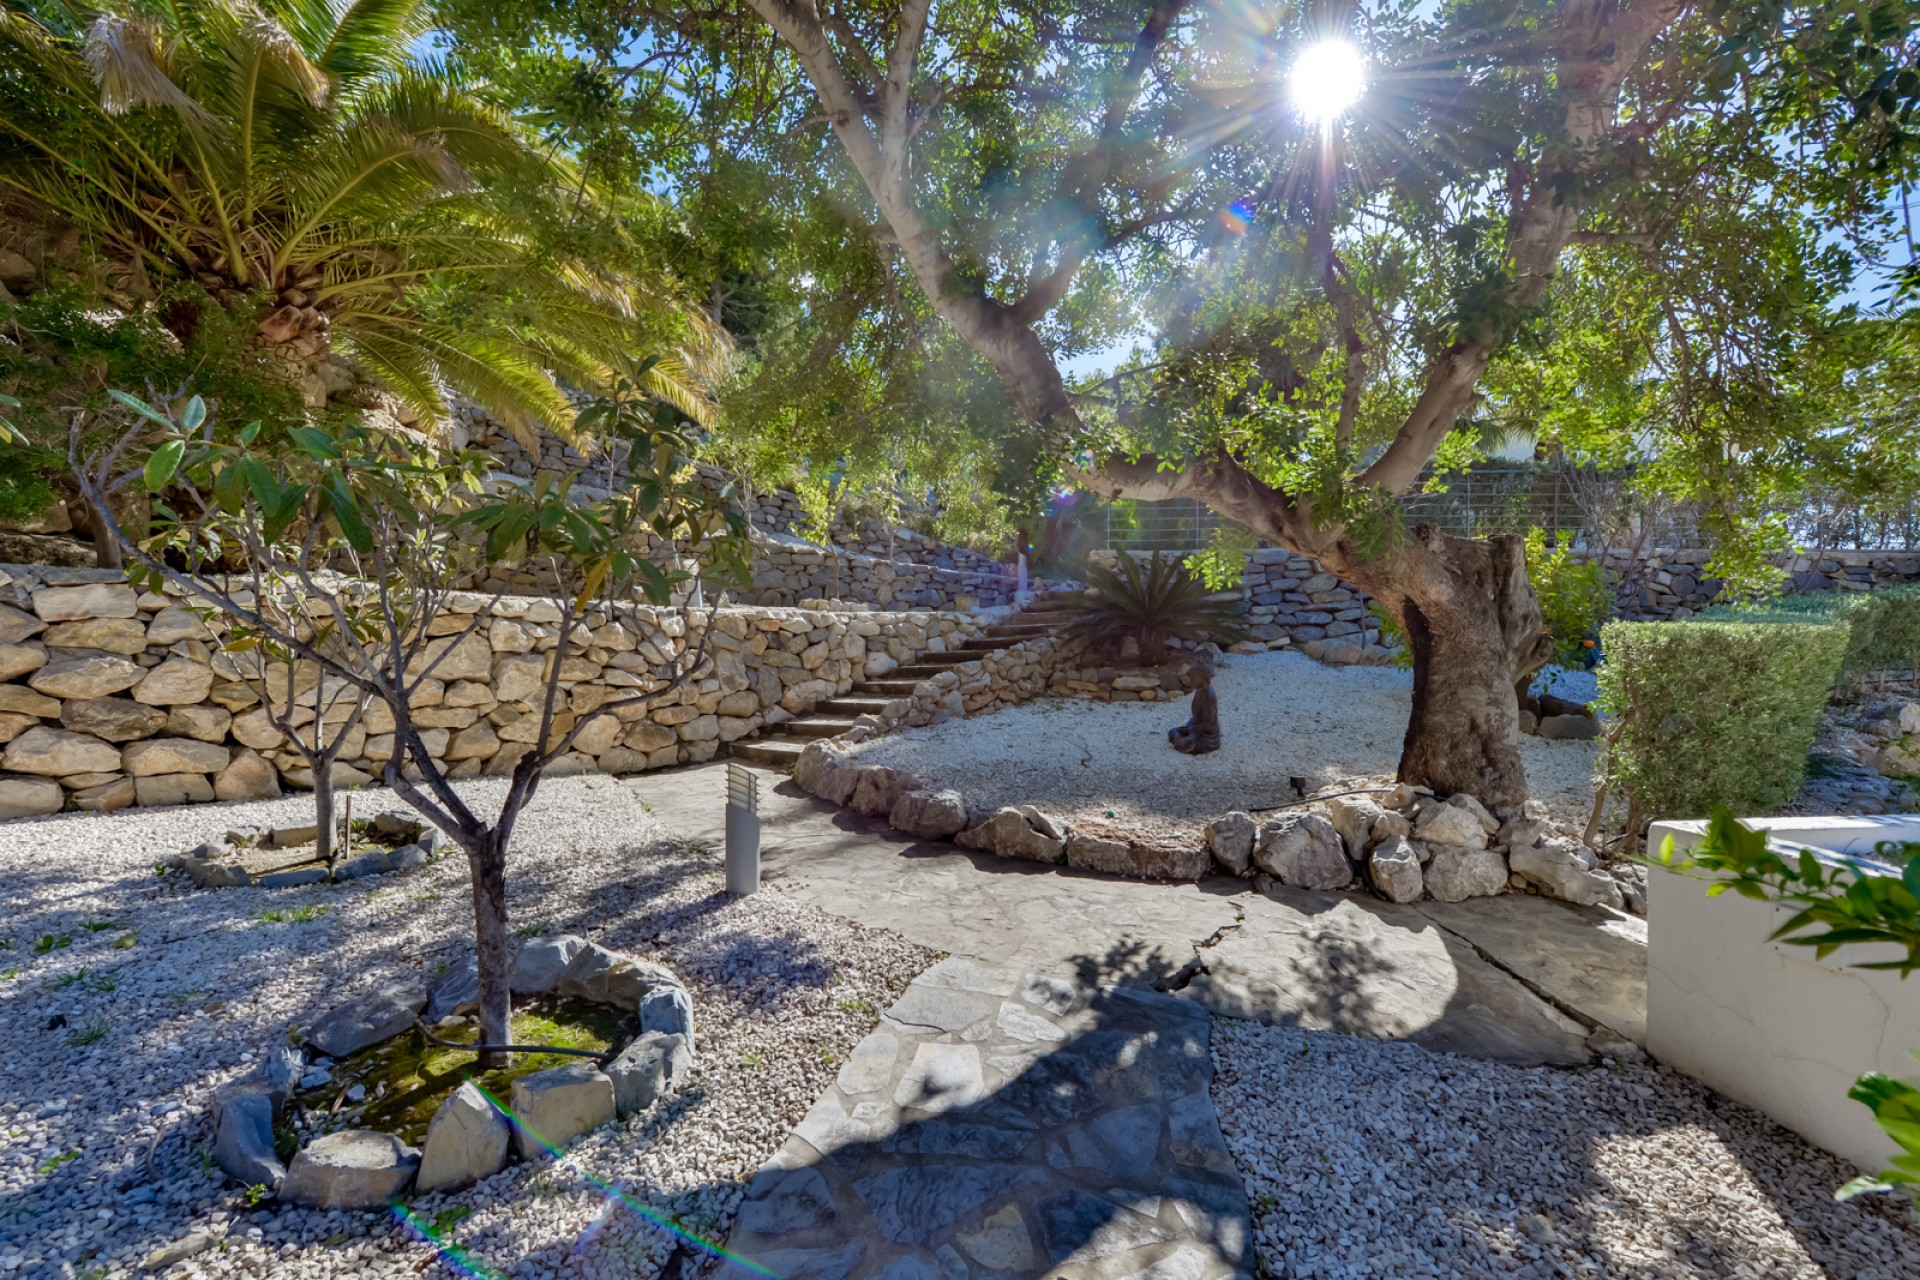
(296, 159)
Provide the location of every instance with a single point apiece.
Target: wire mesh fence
(1570, 503)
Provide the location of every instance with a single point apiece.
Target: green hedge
(1715, 712)
(1883, 625)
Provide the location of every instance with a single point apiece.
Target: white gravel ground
(1281, 714)
(1371, 1159)
(103, 1144)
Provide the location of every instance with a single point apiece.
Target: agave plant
(296, 158)
(1151, 605)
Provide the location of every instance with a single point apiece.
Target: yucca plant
(1152, 605)
(297, 160)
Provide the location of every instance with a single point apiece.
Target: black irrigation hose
(1331, 795)
(602, 1056)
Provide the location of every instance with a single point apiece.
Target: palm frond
(1151, 606)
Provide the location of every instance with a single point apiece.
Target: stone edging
(470, 1135)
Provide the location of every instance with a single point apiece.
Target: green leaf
(141, 407)
(161, 466)
(194, 415)
(315, 443)
(250, 432)
(346, 512)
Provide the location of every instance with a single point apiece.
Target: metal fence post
(743, 830)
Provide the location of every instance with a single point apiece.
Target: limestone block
(249, 776)
(1448, 824)
(173, 755)
(1009, 834)
(518, 677)
(1394, 868)
(551, 1108)
(91, 600)
(1230, 839)
(379, 1015)
(86, 673)
(29, 797)
(110, 635)
(353, 1169)
(467, 1139)
(929, 815)
(1459, 872)
(1556, 868)
(1303, 850)
(209, 724)
(17, 660)
(173, 624)
(243, 1139)
(114, 719)
(17, 625)
(57, 752)
(654, 1065)
(453, 658)
(475, 742)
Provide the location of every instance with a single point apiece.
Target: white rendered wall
(1764, 1022)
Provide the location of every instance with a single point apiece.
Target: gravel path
(1281, 714)
(1368, 1159)
(102, 1127)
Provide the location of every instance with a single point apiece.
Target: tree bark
(106, 547)
(488, 867)
(1473, 625)
(323, 823)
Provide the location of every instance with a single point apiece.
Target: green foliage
(1151, 605)
(1883, 625)
(1836, 906)
(300, 169)
(1575, 596)
(1391, 636)
(1714, 713)
(1222, 563)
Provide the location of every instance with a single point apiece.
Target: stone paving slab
(1001, 1122)
(1342, 962)
(1339, 961)
(1587, 959)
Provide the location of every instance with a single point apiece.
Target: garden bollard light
(743, 830)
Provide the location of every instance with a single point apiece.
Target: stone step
(888, 688)
(986, 644)
(774, 751)
(918, 671)
(853, 706)
(815, 727)
(950, 659)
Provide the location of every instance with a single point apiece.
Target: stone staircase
(780, 745)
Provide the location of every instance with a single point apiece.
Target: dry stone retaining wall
(110, 697)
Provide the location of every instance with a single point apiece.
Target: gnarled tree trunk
(493, 952)
(1473, 625)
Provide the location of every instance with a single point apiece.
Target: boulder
(115, 719)
(611, 977)
(89, 600)
(455, 991)
(243, 1139)
(1303, 850)
(175, 682)
(929, 815)
(1461, 800)
(57, 752)
(822, 770)
(86, 673)
(353, 1169)
(156, 756)
(654, 1065)
(877, 789)
(1391, 823)
(208, 874)
(249, 776)
(668, 1009)
(1459, 872)
(467, 1140)
(16, 625)
(1441, 823)
(551, 1108)
(17, 699)
(1569, 728)
(379, 1015)
(1562, 869)
(1394, 869)
(1353, 817)
(29, 797)
(1230, 840)
(540, 962)
(1009, 834)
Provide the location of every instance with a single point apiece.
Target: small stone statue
(1201, 733)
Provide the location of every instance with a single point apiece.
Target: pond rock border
(1403, 843)
(471, 1136)
(205, 866)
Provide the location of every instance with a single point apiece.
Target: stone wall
(891, 566)
(1675, 584)
(110, 698)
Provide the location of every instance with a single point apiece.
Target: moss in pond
(419, 1076)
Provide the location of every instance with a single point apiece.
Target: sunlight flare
(1326, 80)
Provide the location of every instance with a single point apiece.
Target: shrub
(1153, 605)
(1883, 626)
(1575, 596)
(1714, 712)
